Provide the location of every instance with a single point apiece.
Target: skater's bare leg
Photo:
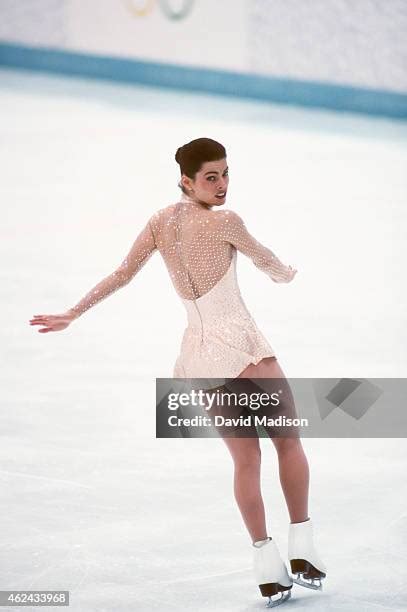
(294, 477)
(293, 464)
(246, 457)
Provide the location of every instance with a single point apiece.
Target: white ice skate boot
(307, 568)
(271, 573)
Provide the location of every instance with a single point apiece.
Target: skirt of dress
(223, 353)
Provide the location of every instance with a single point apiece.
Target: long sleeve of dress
(237, 234)
(141, 251)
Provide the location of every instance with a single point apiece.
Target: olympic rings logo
(174, 10)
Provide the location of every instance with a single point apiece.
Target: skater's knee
(248, 461)
(284, 445)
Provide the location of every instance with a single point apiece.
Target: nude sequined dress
(199, 246)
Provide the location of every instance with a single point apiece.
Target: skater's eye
(226, 173)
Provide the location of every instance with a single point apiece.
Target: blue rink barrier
(283, 91)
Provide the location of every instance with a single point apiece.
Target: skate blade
(316, 586)
(284, 596)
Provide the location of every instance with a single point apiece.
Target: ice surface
(92, 502)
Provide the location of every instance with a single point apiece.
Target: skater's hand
(56, 322)
(293, 272)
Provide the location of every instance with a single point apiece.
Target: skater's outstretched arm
(235, 232)
(140, 252)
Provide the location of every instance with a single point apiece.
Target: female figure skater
(198, 241)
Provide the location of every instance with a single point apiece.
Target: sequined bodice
(218, 304)
(221, 337)
(198, 245)
(193, 243)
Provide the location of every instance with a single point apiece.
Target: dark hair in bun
(194, 154)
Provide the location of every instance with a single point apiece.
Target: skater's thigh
(269, 368)
(244, 451)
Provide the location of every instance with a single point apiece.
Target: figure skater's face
(210, 184)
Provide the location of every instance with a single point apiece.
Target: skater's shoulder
(229, 219)
(163, 213)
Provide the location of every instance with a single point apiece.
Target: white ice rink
(92, 502)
